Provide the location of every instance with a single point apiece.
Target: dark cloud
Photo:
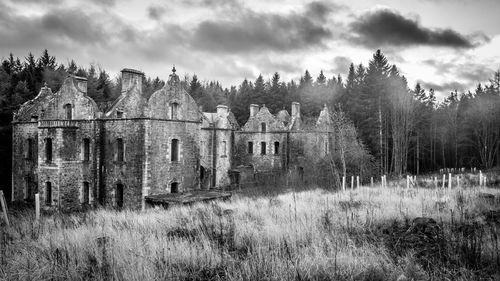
(260, 32)
(388, 28)
(108, 3)
(321, 9)
(156, 12)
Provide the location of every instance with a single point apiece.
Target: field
(365, 234)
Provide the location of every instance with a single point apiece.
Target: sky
(443, 44)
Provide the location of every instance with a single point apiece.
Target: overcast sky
(445, 44)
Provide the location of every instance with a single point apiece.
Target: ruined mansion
(76, 156)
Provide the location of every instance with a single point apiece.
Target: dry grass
(306, 235)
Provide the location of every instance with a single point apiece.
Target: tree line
(404, 129)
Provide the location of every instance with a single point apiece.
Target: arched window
(119, 196)
(68, 110)
(27, 188)
(174, 187)
(262, 127)
(174, 150)
(48, 193)
(48, 150)
(119, 150)
(263, 148)
(174, 108)
(250, 147)
(276, 147)
(86, 149)
(85, 192)
(29, 149)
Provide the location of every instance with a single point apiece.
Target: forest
(405, 127)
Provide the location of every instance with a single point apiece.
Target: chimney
(222, 110)
(295, 109)
(81, 83)
(254, 108)
(131, 77)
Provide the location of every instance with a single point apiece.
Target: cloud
(445, 87)
(156, 12)
(386, 27)
(253, 31)
(341, 64)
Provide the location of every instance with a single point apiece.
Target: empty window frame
(120, 150)
(250, 147)
(174, 108)
(263, 127)
(28, 188)
(68, 111)
(119, 114)
(276, 147)
(30, 144)
(48, 150)
(119, 196)
(86, 149)
(174, 150)
(85, 193)
(174, 187)
(263, 148)
(48, 193)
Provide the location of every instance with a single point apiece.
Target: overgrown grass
(365, 234)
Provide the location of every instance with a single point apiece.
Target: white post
(352, 182)
(407, 181)
(371, 182)
(449, 180)
(382, 181)
(343, 183)
(458, 181)
(444, 180)
(435, 182)
(357, 181)
(37, 206)
(480, 178)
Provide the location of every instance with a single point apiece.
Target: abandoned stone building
(74, 155)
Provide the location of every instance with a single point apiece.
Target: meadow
(308, 234)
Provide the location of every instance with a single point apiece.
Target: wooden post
(357, 181)
(343, 183)
(444, 180)
(352, 182)
(371, 182)
(480, 178)
(37, 206)
(458, 181)
(382, 181)
(4, 207)
(449, 180)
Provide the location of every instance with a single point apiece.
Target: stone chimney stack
(131, 77)
(295, 109)
(222, 110)
(80, 83)
(254, 108)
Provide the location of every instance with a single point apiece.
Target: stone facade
(75, 156)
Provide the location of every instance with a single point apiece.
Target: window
(68, 110)
(263, 148)
(119, 114)
(119, 196)
(174, 107)
(224, 148)
(85, 192)
(276, 147)
(48, 150)
(27, 188)
(86, 149)
(48, 193)
(174, 187)
(174, 150)
(29, 149)
(263, 127)
(250, 147)
(119, 150)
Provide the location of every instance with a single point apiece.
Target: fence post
(480, 178)
(371, 182)
(352, 182)
(357, 181)
(37, 206)
(449, 180)
(444, 180)
(4, 207)
(343, 183)
(407, 181)
(458, 181)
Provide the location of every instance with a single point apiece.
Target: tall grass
(306, 235)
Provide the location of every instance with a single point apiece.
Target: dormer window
(174, 108)
(68, 110)
(119, 114)
(262, 127)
